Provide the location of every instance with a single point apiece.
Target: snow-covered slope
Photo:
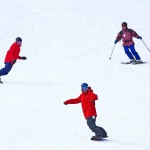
(69, 42)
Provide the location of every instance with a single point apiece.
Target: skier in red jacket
(127, 37)
(87, 99)
(11, 57)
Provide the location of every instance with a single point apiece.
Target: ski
(126, 62)
(138, 63)
(133, 63)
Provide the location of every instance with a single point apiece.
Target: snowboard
(1, 82)
(96, 138)
(133, 63)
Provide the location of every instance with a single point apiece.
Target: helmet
(84, 86)
(124, 24)
(18, 39)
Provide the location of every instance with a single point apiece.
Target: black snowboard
(96, 138)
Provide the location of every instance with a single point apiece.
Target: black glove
(140, 37)
(93, 101)
(13, 61)
(23, 58)
(115, 42)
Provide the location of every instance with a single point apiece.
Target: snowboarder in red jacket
(11, 57)
(87, 99)
(127, 37)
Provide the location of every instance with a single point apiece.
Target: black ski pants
(99, 131)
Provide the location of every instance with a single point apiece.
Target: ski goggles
(19, 43)
(84, 88)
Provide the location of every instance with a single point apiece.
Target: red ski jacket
(13, 53)
(87, 100)
(127, 37)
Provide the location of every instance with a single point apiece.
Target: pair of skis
(133, 63)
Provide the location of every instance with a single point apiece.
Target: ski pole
(145, 45)
(112, 51)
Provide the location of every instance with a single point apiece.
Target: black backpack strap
(120, 32)
(130, 30)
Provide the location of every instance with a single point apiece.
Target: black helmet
(18, 39)
(124, 24)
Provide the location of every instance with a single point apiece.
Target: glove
(13, 61)
(23, 58)
(140, 37)
(65, 103)
(93, 101)
(115, 41)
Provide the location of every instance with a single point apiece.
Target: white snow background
(68, 42)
